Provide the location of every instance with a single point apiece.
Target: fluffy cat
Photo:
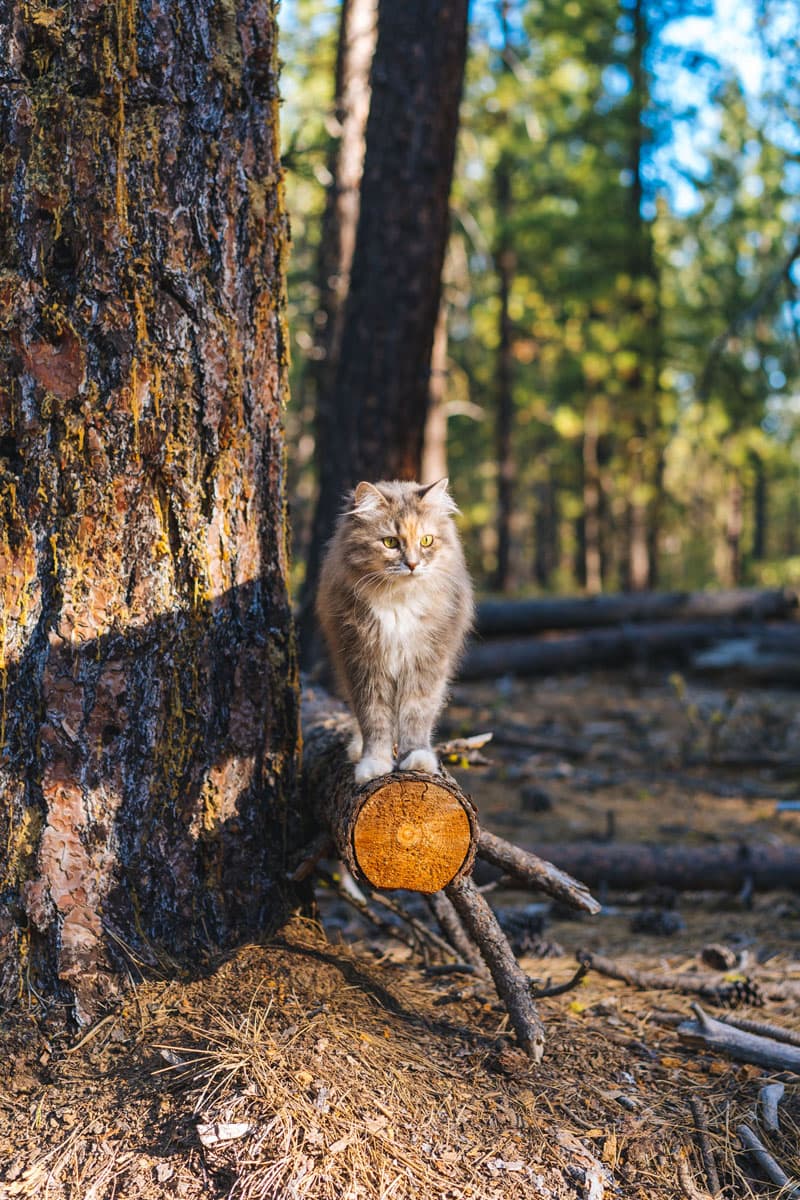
(395, 604)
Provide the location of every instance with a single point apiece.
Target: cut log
(406, 830)
(627, 866)
(600, 648)
(507, 617)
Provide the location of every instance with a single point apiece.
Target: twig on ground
(769, 1098)
(744, 1047)
(769, 1166)
(701, 1125)
(690, 1189)
(560, 988)
(710, 987)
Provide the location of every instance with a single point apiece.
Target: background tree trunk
(504, 418)
(356, 47)
(380, 398)
(149, 693)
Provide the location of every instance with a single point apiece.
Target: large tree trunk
(149, 692)
(380, 398)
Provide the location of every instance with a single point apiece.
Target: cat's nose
(412, 565)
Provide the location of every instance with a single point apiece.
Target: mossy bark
(148, 692)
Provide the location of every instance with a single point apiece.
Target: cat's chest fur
(399, 623)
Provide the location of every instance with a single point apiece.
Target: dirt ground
(332, 1064)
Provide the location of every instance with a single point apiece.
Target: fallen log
(420, 832)
(629, 866)
(499, 618)
(599, 648)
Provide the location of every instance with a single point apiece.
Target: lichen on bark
(148, 692)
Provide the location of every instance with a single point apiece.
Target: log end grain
(413, 831)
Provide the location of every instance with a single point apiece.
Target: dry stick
(765, 1160)
(513, 985)
(320, 847)
(361, 906)
(701, 985)
(701, 1125)
(559, 989)
(763, 1029)
(450, 925)
(690, 1189)
(420, 928)
(535, 872)
(769, 1098)
(745, 1047)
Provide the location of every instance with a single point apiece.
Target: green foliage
(654, 307)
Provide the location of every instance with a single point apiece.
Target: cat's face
(399, 532)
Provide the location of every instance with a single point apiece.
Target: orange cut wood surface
(411, 834)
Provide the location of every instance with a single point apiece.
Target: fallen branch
(769, 1098)
(707, 1154)
(744, 1047)
(769, 1166)
(535, 872)
(763, 1028)
(513, 985)
(713, 988)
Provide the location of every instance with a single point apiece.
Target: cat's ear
(436, 494)
(367, 499)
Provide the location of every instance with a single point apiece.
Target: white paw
(371, 766)
(421, 760)
(355, 747)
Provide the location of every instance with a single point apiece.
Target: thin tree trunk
(760, 510)
(149, 692)
(434, 451)
(592, 549)
(380, 398)
(733, 532)
(504, 265)
(546, 554)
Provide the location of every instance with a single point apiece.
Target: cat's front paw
(355, 747)
(371, 766)
(421, 760)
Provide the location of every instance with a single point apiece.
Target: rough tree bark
(149, 696)
(380, 399)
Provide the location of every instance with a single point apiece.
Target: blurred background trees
(614, 383)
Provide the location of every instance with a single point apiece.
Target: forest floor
(330, 1064)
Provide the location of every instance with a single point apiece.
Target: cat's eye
(391, 543)
(426, 539)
